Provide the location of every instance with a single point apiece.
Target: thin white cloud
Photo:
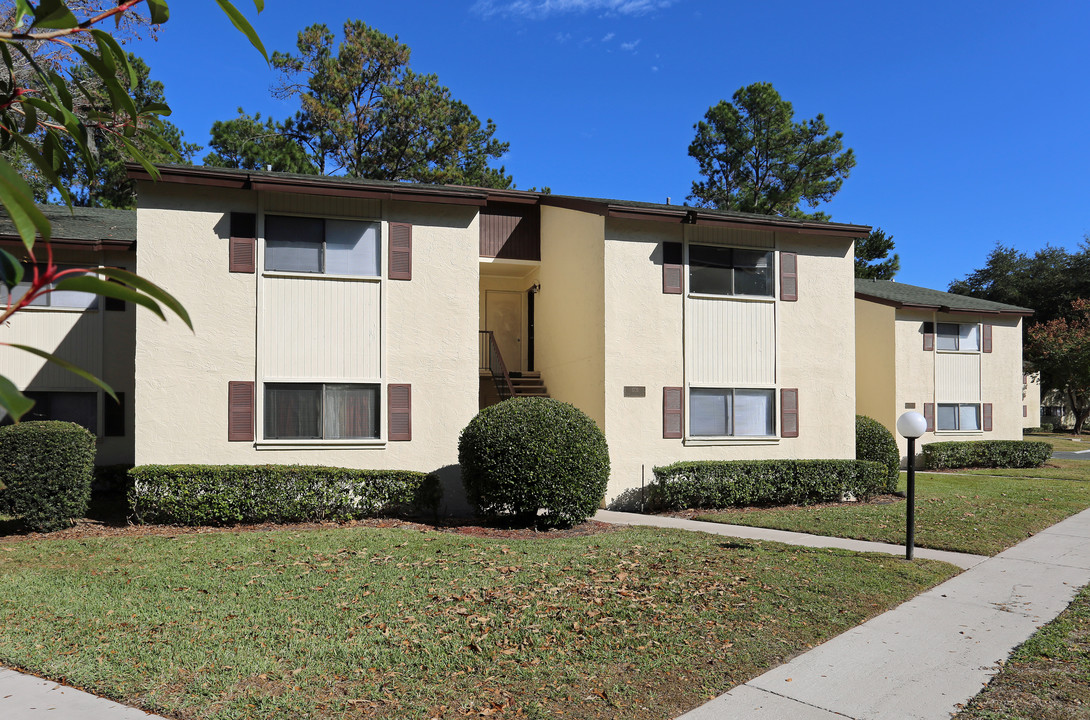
(563, 37)
(608, 37)
(654, 68)
(538, 9)
(630, 46)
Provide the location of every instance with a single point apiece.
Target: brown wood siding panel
(987, 417)
(399, 405)
(789, 412)
(672, 278)
(401, 251)
(511, 232)
(789, 276)
(240, 411)
(673, 407)
(929, 416)
(987, 338)
(929, 336)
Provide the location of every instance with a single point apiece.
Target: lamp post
(911, 425)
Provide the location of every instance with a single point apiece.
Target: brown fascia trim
(690, 216)
(317, 186)
(942, 308)
(14, 241)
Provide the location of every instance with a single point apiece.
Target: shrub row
(224, 494)
(986, 453)
(45, 472)
(741, 483)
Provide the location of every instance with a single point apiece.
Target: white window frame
(322, 273)
(957, 417)
(691, 439)
(957, 338)
(770, 252)
(379, 392)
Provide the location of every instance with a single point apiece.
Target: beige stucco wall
(1031, 398)
(644, 331)
(99, 341)
(569, 345)
(1000, 374)
(429, 326)
(875, 362)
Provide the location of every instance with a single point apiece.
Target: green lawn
(1057, 469)
(960, 512)
(1047, 678)
(1063, 442)
(368, 622)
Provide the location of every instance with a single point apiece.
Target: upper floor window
(715, 270)
(317, 245)
(55, 298)
(960, 338)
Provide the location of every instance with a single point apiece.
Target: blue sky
(969, 120)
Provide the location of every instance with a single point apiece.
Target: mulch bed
(95, 528)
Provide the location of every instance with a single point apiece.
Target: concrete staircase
(528, 384)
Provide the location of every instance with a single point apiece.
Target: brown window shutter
(240, 411)
(929, 336)
(672, 409)
(789, 276)
(401, 251)
(671, 268)
(1025, 411)
(987, 417)
(400, 412)
(929, 416)
(243, 244)
(987, 338)
(789, 413)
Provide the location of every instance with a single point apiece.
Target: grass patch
(1047, 677)
(637, 623)
(1056, 469)
(959, 512)
(1062, 442)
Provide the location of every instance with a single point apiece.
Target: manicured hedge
(224, 494)
(986, 453)
(874, 441)
(534, 460)
(743, 483)
(45, 472)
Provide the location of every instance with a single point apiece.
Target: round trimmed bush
(874, 442)
(536, 460)
(46, 468)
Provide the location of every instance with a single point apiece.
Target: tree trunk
(1080, 412)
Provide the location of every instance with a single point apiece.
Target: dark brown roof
(901, 295)
(457, 194)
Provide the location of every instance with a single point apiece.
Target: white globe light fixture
(911, 425)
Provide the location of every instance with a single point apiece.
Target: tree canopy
(872, 261)
(1060, 350)
(755, 158)
(365, 113)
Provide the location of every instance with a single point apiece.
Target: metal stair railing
(491, 359)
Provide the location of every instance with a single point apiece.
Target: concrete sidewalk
(25, 697)
(926, 657)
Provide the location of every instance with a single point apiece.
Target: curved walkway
(924, 658)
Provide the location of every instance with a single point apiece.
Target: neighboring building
(955, 359)
(94, 333)
(1031, 398)
(348, 322)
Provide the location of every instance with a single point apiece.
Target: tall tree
(755, 158)
(872, 260)
(249, 143)
(1060, 349)
(365, 113)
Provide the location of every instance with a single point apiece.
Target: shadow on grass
(103, 510)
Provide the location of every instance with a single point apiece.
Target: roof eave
(941, 308)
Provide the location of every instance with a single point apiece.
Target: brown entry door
(503, 316)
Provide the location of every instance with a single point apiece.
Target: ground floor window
(78, 407)
(731, 412)
(321, 411)
(958, 416)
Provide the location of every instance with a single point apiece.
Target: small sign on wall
(635, 391)
(910, 406)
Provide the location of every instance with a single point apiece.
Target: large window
(321, 411)
(315, 245)
(78, 407)
(717, 270)
(958, 416)
(731, 412)
(959, 338)
(56, 298)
